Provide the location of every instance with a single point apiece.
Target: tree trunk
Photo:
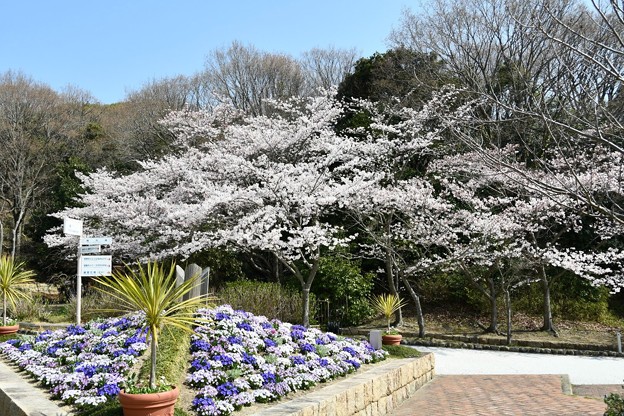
(306, 288)
(547, 310)
(1, 237)
(389, 265)
(306, 307)
(508, 309)
(152, 380)
(4, 303)
(419, 315)
(493, 306)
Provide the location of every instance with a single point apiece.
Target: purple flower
(227, 389)
(25, 347)
(42, 336)
(220, 316)
(296, 334)
(111, 390)
(200, 345)
(297, 359)
(245, 326)
(268, 377)
(200, 364)
(225, 359)
(249, 359)
(305, 347)
(269, 343)
(350, 351)
(232, 339)
(75, 330)
(111, 333)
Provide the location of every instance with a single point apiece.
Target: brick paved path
(497, 395)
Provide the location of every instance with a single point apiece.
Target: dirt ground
(524, 327)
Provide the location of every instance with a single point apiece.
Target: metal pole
(78, 288)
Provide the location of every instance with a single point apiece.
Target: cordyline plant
(12, 277)
(152, 289)
(387, 305)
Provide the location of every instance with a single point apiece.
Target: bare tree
(244, 77)
(326, 68)
(38, 126)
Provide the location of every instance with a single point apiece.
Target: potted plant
(153, 290)
(12, 279)
(387, 305)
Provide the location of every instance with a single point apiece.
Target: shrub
(94, 303)
(346, 290)
(33, 310)
(268, 299)
(615, 405)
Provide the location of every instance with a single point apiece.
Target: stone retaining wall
(375, 392)
(530, 348)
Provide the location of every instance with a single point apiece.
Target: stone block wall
(375, 392)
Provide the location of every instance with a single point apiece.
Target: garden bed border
(377, 391)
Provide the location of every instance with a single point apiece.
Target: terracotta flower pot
(149, 404)
(391, 339)
(9, 329)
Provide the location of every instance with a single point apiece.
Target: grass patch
(171, 362)
(173, 356)
(402, 351)
(114, 409)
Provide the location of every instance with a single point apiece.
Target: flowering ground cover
(83, 365)
(236, 359)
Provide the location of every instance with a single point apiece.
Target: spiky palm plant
(152, 290)
(387, 305)
(12, 278)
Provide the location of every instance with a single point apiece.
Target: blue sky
(111, 47)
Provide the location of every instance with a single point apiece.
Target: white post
(619, 341)
(375, 339)
(74, 227)
(78, 287)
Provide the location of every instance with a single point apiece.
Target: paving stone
(494, 395)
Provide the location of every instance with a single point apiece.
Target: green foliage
(572, 298)
(172, 356)
(341, 283)
(153, 290)
(95, 304)
(402, 351)
(34, 309)
(387, 305)
(12, 279)
(268, 299)
(224, 265)
(114, 409)
(615, 405)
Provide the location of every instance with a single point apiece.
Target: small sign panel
(72, 226)
(96, 265)
(89, 241)
(90, 249)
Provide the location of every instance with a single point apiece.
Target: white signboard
(90, 249)
(72, 226)
(95, 265)
(89, 241)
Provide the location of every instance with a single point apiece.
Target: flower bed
(238, 359)
(82, 365)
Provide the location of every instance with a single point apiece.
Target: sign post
(72, 226)
(88, 265)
